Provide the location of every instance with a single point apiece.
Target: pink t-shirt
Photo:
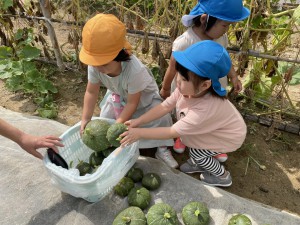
(207, 122)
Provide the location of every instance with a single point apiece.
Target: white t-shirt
(207, 122)
(189, 38)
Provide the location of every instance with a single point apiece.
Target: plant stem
(248, 160)
(290, 11)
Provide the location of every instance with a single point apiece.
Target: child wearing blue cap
(208, 20)
(208, 123)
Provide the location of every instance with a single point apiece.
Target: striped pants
(205, 159)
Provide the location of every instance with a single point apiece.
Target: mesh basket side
(91, 187)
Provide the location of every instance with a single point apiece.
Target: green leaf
(29, 65)
(296, 15)
(275, 80)
(19, 34)
(5, 52)
(4, 64)
(29, 88)
(14, 83)
(5, 75)
(284, 67)
(257, 21)
(4, 4)
(32, 76)
(263, 88)
(29, 52)
(296, 78)
(17, 68)
(45, 86)
(47, 113)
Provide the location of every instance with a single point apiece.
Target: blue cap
(227, 10)
(206, 59)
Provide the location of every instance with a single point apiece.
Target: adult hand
(164, 93)
(130, 136)
(31, 143)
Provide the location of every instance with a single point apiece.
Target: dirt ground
(277, 186)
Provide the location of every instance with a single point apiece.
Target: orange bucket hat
(103, 37)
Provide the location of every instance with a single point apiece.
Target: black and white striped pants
(205, 159)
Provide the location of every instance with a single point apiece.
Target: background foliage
(272, 30)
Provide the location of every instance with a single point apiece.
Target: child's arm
(135, 134)
(237, 85)
(168, 78)
(89, 102)
(130, 107)
(153, 114)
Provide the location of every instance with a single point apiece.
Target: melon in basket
(114, 132)
(94, 135)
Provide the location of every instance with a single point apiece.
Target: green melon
(151, 181)
(94, 135)
(108, 151)
(162, 214)
(114, 132)
(136, 174)
(140, 197)
(195, 213)
(124, 186)
(240, 219)
(130, 216)
(96, 159)
(84, 168)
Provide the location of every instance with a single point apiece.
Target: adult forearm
(10, 132)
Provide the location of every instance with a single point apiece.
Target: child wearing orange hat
(131, 88)
(208, 20)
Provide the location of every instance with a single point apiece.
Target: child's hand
(130, 136)
(132, 123)
(82, 126)
(237, 84)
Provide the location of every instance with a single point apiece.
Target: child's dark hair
(195, 79)
(122, 56)
(210, 22)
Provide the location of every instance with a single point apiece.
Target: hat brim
(99, 59)
(181, 58)
(187, 20)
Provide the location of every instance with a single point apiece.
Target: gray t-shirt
(135, 77)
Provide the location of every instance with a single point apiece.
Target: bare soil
(277, 186)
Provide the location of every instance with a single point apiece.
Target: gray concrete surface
(28, 197)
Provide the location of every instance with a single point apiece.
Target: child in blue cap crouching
(208, 123)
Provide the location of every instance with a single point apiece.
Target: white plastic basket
(91, 187)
